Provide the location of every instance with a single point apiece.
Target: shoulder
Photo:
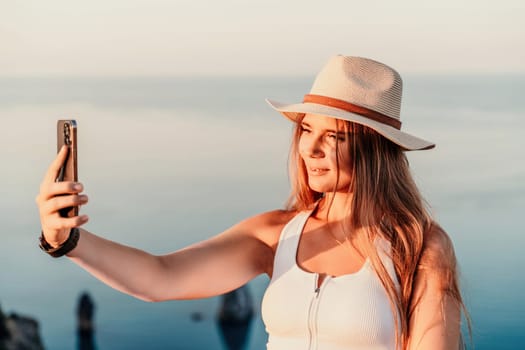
(273, 217)
(438, 250)
(265, 229)
(266, 226)
(437, 266)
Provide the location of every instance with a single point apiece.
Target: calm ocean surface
(171, 161)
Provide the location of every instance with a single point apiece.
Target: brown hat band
(349, 107)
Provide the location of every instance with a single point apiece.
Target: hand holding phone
(67, 135)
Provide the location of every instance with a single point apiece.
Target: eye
(304, 129)
(336, 137)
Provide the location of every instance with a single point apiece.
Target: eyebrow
(326, 130)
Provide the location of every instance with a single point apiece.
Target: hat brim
(406, 141)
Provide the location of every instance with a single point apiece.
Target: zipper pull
(317, 288)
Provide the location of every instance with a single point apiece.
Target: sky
(256, 37)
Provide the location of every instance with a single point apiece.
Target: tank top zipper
(313, 311)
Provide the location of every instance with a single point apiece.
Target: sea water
(171, 161)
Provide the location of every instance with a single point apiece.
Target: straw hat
(359, 90)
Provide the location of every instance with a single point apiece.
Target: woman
(355, 261)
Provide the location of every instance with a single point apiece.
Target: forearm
(129, 270)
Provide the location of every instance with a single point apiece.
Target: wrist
(62, 249)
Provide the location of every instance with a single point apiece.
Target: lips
(317, 171)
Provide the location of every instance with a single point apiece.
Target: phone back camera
(67, 138)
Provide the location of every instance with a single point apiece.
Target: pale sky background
(254, 37)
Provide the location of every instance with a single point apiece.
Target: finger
(52, 189)
(54, 168)
(60, 223)
(75, 221)
(54, 204)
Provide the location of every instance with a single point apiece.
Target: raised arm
(212, 267)
(208, 268)
(436, 302)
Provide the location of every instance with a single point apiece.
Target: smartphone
(67, 135)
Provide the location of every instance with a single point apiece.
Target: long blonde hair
(385, 203)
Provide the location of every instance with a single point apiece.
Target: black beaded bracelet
(64, 248)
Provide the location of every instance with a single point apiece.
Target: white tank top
(350, 312)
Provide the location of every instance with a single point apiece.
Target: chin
(320, 187)
(327, 187)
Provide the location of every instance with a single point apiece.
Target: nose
(312, 147)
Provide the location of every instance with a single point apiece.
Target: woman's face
(320, 139)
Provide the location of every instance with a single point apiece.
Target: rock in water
(236, 306)
(4, 332)
(85, 324)
(234, 318)
(19, 333)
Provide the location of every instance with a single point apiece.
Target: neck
(335, 206)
